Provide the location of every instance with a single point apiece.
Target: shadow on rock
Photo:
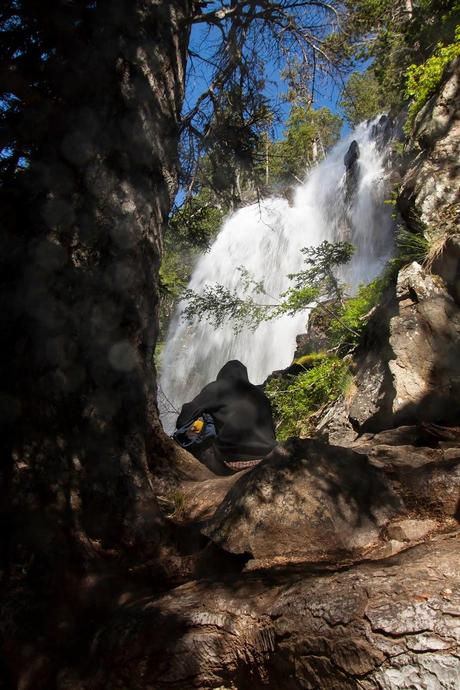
(307, 501)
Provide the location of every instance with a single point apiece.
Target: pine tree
(91, 114)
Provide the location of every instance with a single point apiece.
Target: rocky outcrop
(375, 626)
(384, 130)
(316, 337)
(408, 370)
(353, 582)
(352, 155)
(351, 163)
(447, 264)
(430, 187)
(316, 503)
(425, 337)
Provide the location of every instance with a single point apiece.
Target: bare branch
(250, 34)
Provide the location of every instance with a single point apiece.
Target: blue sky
(204, 40)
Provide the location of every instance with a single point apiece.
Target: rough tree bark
(83, 241)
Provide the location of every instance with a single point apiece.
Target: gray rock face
(411, 371)
(431, 183)
(425, 337)
(447, 264)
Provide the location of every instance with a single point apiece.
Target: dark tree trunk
(80, 309)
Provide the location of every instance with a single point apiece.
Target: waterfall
(266, 238)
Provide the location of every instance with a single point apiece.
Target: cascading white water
(266, 239)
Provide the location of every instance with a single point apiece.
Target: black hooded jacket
(241, 412)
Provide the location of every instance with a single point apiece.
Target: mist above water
(266, 239)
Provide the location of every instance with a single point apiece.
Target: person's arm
(205, 401)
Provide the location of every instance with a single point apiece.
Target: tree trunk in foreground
(83, 246)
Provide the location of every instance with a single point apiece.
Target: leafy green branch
(422, 80)
(317, 284)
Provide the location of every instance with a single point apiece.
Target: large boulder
(311, 502)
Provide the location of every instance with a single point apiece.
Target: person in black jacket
(242, 416)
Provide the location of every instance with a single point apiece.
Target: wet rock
(352, 155)
(352, 171)
(289, 195)
(383, 131)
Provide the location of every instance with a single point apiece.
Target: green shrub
(422, 80)
(410, 246)
(295, 400)
(345, 331)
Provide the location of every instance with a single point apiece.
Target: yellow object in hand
(197, 426)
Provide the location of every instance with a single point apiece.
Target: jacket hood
(234, 371)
